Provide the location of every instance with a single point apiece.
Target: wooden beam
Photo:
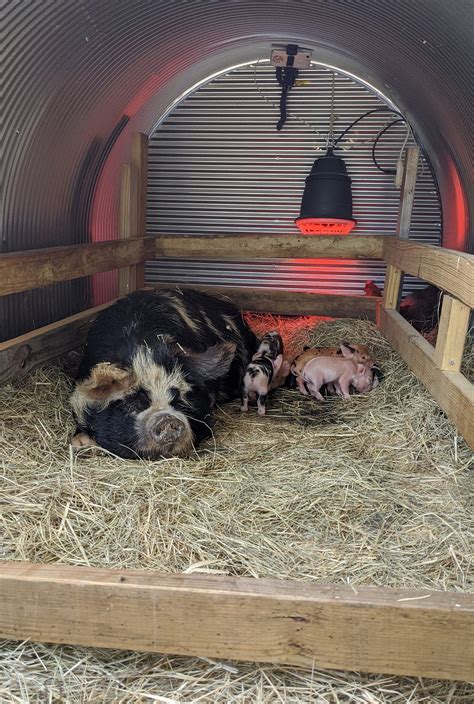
(139, 160)
(22, 354)
(269, 246)
(391, 290)
(451, 390)
(452, 331)
(407, 193)
(262, 300)
(20, 271)
(128, 224)
(369, 629)
(450, 270)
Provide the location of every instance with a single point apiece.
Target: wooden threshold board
(367, 629)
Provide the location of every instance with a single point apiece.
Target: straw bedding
(374, 490)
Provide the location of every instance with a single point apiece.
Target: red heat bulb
(325, 226)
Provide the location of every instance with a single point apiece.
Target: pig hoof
(261, 411)
(83, 440)
(244, 409)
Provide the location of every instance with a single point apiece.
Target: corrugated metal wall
(218, 165)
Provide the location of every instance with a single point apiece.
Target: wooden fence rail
(369, 629)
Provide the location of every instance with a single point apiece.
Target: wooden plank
(22, 354)
(261, 300)
(450, 270)
(20, 271)
(451, 390)
(139, 159)
(369, 629)
(268, 246)
(407, 193)
(452, 331)
(128, 224)
(391, 290)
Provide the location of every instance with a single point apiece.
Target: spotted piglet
(262, 371)
(257, 381)
(271, 345)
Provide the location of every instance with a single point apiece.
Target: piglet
(280, 377)
(358, 353)
(271, 345)
(257, 381)
(341, 372)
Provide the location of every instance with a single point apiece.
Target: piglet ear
(346, 349)
(215, 361)
(277, 362)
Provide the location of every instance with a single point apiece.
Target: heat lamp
(326, 207)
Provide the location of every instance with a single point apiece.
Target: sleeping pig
(257, 381)
(340, 372)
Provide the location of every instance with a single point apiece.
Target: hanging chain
(330, 139)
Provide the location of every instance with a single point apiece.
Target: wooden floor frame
(370, 629)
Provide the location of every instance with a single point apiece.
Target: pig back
(180, 321)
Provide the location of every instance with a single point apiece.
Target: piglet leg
(261, 404)
(344, 388)
(245, 403)
(301, 386)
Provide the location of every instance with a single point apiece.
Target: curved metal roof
(80, 76)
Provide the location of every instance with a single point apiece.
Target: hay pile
(374, 490)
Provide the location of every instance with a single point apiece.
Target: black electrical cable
(366, 114)
(390, 172)
(286, 77)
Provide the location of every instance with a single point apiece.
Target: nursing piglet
(341, 372)
(271, 345)
(257, 381)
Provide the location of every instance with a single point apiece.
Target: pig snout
(164, 434)
(166, 429)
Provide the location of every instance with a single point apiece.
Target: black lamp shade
(326, 207)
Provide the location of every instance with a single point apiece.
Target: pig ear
(277, 362)
(215, 361)
(346, 349)
(105, 383)
(105, 380)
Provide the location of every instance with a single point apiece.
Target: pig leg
(337, 389)
(261, 404)
(245, 402)
(316, 393)
(343, 384)
(301, 386)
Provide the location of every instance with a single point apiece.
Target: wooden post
(452, 332)
(133, 210)
(391, 293)
(407, 193)
(140, 162)
(128, 225)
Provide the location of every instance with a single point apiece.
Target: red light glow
(325, 226)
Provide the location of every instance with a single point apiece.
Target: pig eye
(174, 393)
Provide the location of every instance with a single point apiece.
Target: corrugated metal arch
(72, 70)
